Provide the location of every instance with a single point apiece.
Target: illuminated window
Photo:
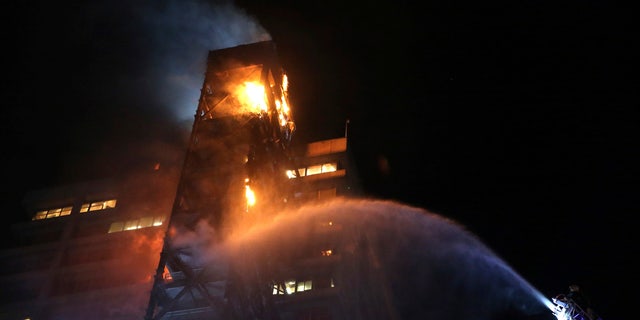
(304, 286)
(314, 169)
(131, 224)
(134, 224)
(116, 227)
(98, 205)
(145, 222)
(52, 213)
(311, 170)
(329, 167)
(291, 287)
(157, 221)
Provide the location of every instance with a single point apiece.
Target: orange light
(166, 274)
(251, 196)
(251, 95)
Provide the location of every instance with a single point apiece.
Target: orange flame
(252, 96)
(249, 194)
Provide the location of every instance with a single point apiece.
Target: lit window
(327, 252)
(134, 224)
(52, 213)
(317, 169)
(145, 222)
(40, 215)
(329, 167)
(65, 211)
(98, 205)
(278, 289)
(131, 224)
(314, 169)
(157, 221)
(304, 286)
(291, 287)
(116, 227)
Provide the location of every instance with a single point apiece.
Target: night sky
(520, 120)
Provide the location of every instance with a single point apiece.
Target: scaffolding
(238, 149)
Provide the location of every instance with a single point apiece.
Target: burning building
(241, 144)
(116, 247)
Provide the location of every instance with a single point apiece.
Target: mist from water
(426, 265)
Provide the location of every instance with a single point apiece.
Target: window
(314, 169)
(134, 224)
(98, 205)
(311, 170)
(52, 213)
(291, 287)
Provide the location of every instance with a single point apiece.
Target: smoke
(168, 42)
(422, 265)
(143, 66)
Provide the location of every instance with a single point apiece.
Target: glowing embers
(52, 213)
(313, 170)
(98, 205)
(292, 286)
(135, 224)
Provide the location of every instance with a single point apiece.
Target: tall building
(116, 248)
(240, 170)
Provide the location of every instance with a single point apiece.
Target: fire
(252, 96)
(166, 274)
(249, 194)
(251, 197)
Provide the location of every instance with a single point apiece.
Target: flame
(249, 194)
(166, 275)
(290, 174)
(252, 96)
(251, 197)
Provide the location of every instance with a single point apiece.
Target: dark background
(519, 120)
